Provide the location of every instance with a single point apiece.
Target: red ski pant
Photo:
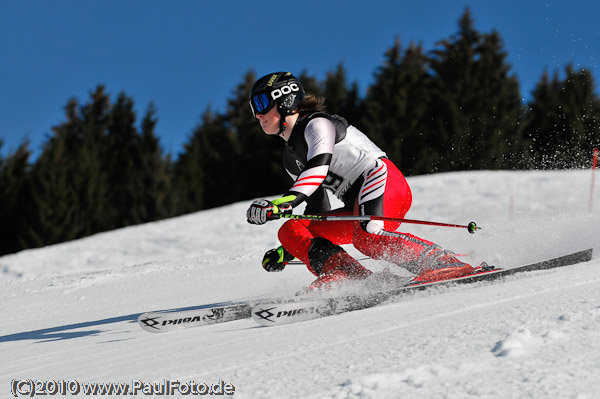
(384, 192)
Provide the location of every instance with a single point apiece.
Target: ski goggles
(261, 104)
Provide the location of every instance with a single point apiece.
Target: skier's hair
(311, 103)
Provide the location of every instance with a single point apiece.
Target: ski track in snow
(70, 310)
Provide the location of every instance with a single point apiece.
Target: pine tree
(134, 163)
(563, 118)
(395, 108)
(476, 103)
(310, 84)
(260, 171)
(122, 159)
(340, 99)
(202, 176)
(69, 184)
(14, 172)
(87, 168)
(156, 171)
(52, 214)
(502, 113)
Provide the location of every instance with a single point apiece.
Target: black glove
(275, 259)
(262, 211)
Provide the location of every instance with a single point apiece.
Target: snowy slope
(69, 311)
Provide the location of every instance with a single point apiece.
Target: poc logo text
(284, 90)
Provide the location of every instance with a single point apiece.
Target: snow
(69, 311)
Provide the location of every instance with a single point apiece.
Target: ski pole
(471, 227)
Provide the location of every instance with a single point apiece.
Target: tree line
(456, 107)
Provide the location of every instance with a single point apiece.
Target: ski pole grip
(274, 216)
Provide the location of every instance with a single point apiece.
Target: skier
(325, 152)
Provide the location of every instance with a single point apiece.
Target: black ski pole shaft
(471, 226)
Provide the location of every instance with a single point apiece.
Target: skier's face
(270, 121)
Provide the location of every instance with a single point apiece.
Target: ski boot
(333, 265)
(444, 266)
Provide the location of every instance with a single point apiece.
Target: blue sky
(185, 56)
